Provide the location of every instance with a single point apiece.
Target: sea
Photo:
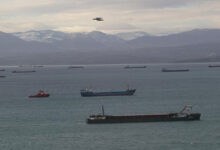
(59, 122)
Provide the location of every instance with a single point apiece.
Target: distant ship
(2, 69)
(213, 66)
(89, 93)
(40, 94)
(75, 67)
(1, 76)
(183, 115)
(23, 71)
(131, 67)
(174, 70)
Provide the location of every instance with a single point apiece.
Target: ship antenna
(128, 86)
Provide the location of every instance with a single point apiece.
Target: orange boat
(40, 94)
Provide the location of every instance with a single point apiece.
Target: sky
(151, 16)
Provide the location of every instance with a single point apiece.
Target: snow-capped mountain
(75, 40)
(97, 36)
(102, 37)
(47, 36)
(52, 47)
(131, 35)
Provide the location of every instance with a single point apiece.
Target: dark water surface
(58, 122)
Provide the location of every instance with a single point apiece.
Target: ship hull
(116, 93)
(39, 96)
(143, 118)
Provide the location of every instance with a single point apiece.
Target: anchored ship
(28, 71)
(89, 93)
(75, 67)
(174, 70)
(213, 66)
(131, 67)
(183, 115)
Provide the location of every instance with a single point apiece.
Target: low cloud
(153, 16)
(117, 27)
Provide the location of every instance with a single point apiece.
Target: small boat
(40, 94)
(213, 66)
(183, 115)
(89, 93)
(23, 71)
(174, 70)
(2, 69)
(1, 76)
(75, 67)
(133, 67)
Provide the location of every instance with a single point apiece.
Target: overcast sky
(152, 16)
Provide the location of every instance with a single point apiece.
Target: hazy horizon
(162, 34)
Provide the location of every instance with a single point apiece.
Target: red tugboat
(40, 94)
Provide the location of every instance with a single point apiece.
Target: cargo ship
(174, 70)
(89, 93)
(183, 115)
(213, 66)
(28, 71)
(75, 67)
(40, 94)
(132, 67)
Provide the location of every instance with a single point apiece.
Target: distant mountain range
(53, 47)
(49, 36)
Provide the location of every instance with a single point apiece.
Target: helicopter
(98, 19)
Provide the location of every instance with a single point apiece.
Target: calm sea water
(58, 122)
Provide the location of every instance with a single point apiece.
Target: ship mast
(128, 87)
(103, 111)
